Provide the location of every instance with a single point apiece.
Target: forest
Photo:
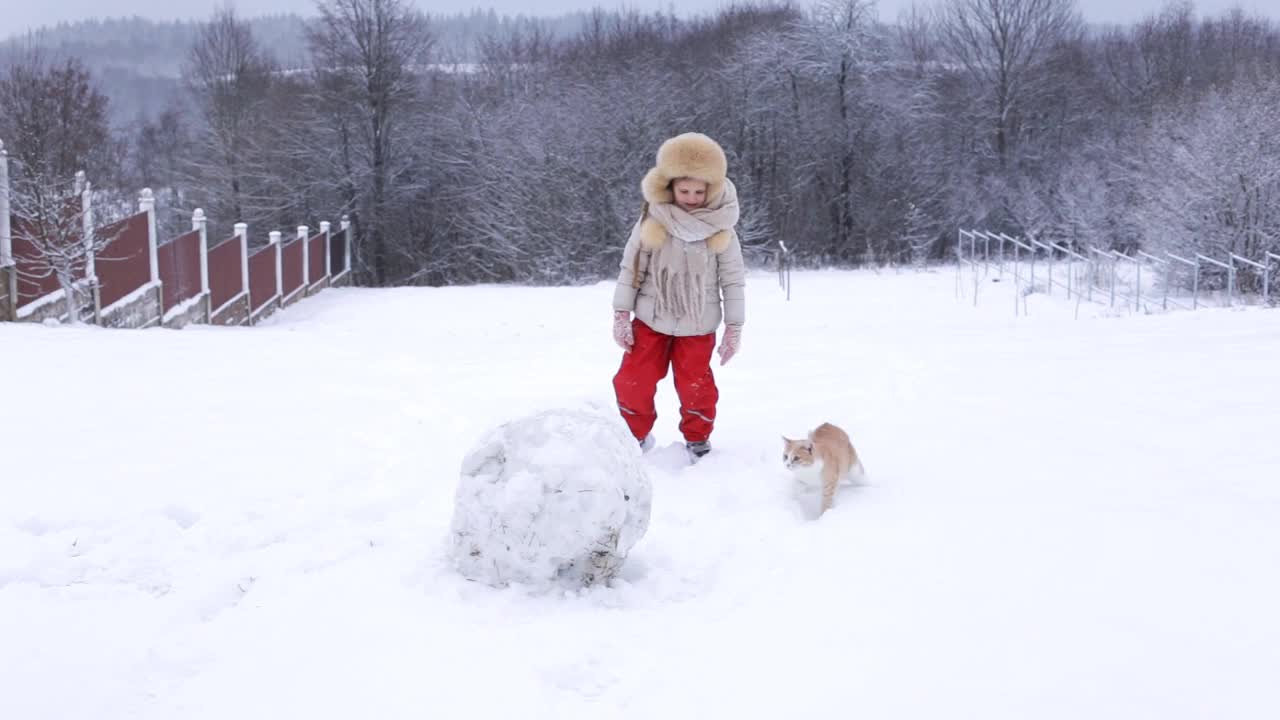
(486, 149)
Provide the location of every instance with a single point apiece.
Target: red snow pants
(636, 382)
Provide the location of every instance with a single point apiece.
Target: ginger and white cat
(827, 451)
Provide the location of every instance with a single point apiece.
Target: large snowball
(559, 497)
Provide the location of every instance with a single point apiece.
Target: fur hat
(690, 155)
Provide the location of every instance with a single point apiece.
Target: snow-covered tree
(1208, 176)
(57, 232)
(160, 161)
(228, 74)
(851, 139)
(368, 56)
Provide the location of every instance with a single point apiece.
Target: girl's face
(690, 194)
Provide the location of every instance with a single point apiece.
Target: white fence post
(1068, 256)
(274, 239)
(1195, 282)
(1017, 278)
(1113, 279)
(1005, 239)
(959, 260)
(1037, 245)
(1259, 266)
(1164, 303)
(347, 232)
(147, 204)
(303, 232)
(1231, 276)
(1079, 258)
(1167, 268)
(1032, 253)
(201, 225)
(85, 190)
(1095, 253)
(6, 232)
(1266, 278)
(784, 268)
(324, 228)
(242, 232)
(1231, 283)
(7, 264)
(86, 228)
(973, 264)
(1196, 287)
(1048, 248)
(1031, 286)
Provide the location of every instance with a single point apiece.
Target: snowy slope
(1066, 518)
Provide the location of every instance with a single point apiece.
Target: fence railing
(124, 275)
(181, 272)
(1141, 281)
(317, 259)
(126, 265)
(128, 279)
(293, 268)
(264, 276)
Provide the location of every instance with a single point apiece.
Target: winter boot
(647, 443)
(698, 449)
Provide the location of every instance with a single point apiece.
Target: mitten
(730, 343)
(622, 329)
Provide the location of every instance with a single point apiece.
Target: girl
(681, 263)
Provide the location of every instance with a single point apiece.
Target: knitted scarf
(679, 268)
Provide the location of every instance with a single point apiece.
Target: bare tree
(1150, 61)
(511, 61)
(160, 162)
(917, 38)
(853, 140)
(369, 54)
(1000, 43)
(54, 118)
(229, 77)
(822, 67)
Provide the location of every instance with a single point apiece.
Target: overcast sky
(20, 15)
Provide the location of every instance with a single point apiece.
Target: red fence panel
(262, 276)
(31, 285)
(316, 258)
(226, 280)
(125, 264)
(292, 271)
(180, 269)
(337, 252)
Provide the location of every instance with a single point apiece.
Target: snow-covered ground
(1066, 518)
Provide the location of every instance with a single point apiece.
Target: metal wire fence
(1141, 281)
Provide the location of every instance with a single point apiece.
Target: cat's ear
(786, 441)
(808, 445)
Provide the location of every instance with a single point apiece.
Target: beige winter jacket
(724, 281)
